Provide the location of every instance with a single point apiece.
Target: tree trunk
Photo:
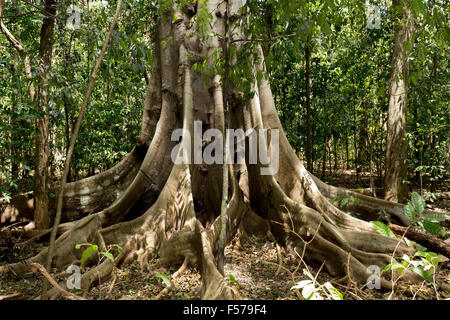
(335, 147)
(41, 217)
(309, 160)
(433, 107)
(396, 148)
(168, 209)
(347, 164)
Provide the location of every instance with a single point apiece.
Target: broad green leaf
(233, 280)
(107, 255)
(436, 217)
(382, 229)
(420, 247)
(418, 202)
(431, 257)
(409, 243)
(164, 278)
(393, 266)
(424, 274)
(431, 227)
(409, 211)
(86, 253)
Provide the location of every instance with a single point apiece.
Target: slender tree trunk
(347, 166)
(417, 150)
(41, 217)
(433, 107)
(355, 146)
(309, 162)
(14, 153)
(67, 105)
(396, 189)
(324, 160)
(329, 156)
(335, 146)
(225, 182)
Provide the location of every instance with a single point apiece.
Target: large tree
(154, 208)
(396, 188)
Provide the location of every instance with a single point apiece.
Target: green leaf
(393, 266)
(424, 274)
(119, 248)
(234, 281)
(418, 202)
(344, 202)
(436, 217)
(107, 255)
(86, 253)
(409, 243)
(164, 278)
(78, 246)
(335, 293)
(409, 211)
(420, 247)
(432, 227)
(382, 229)
(429, 256)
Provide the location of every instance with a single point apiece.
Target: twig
(14, 296)
(415, 293)
(52, 281)
(265, 40)
(392, 260)
(353, 283)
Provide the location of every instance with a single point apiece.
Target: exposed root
(326, 234)
(177, 274)
(214, 286)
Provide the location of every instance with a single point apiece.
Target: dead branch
(43, 271)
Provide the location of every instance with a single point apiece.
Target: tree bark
(396, 148)
(309, 160)
(41, 215)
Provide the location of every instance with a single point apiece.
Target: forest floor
(252, 266)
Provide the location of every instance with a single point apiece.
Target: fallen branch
(14, 296)
(430, 242)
